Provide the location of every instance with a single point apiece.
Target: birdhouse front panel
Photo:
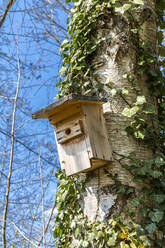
(80, 132)
(72, 142)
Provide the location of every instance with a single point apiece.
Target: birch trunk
(116, 58)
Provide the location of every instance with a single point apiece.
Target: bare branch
(43, 209)
(11, 155)
(23, 235)
(9, 5)
(48, 223)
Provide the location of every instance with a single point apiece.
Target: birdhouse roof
(66, 103)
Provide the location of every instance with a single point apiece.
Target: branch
(43, 209)
(3, 16)
(23, 235)
(11, 156)
(46, 228)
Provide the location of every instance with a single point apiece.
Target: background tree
(29, 38)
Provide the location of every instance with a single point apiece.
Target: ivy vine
(76, 77)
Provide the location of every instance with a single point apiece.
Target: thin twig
(42, 197)
(4, 223)
(23, 235)
(48, 223)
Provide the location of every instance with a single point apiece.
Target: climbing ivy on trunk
(146, 125)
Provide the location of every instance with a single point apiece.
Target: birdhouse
(80, 132)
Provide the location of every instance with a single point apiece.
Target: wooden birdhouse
(80, 132)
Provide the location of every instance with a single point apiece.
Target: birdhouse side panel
(96, 129)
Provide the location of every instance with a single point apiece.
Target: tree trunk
(120, 70)
(115, 66)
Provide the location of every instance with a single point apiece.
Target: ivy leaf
(134, 30)
(64, 43)
(100, 234)
(123, 245)
(140, 100)
(62, 70)
(159, 161)
(126, 6)
(91, 237)
(85, 243)
(125, 91)
(132, 245)
(162, 105)
(113, 92)
(139, 134)
(149, 109)
(129, 112)
(156, 216)
(135, 202)
(140, 2)
(156, 173)
(123, 8)
(158, 198)
(111, 242)
(151, 227)
(77, 231)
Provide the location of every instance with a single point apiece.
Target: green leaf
(134, 30)
(140, 100)
(159, 198)
(140, 2)
(111, 242)
(65, 42)
(156, 173)
(77, 231)
(156, 216)
(126, 6)
(151, 227)
(149, 109)
(123, 8)
(129, 112)
(62, 70)
(100, 234)
(123, 245)
(132, 245)
(159, 161)
(135, 202)
(139, 134)
(125, 91)
(162, 105)
(113, 92)
(85, 243)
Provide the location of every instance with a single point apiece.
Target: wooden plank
(97, 163)
(96, 129)
(65, 103)
(65, 114)
(70, 130)
(74, 156)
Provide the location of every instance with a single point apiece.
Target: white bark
(117, 57)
